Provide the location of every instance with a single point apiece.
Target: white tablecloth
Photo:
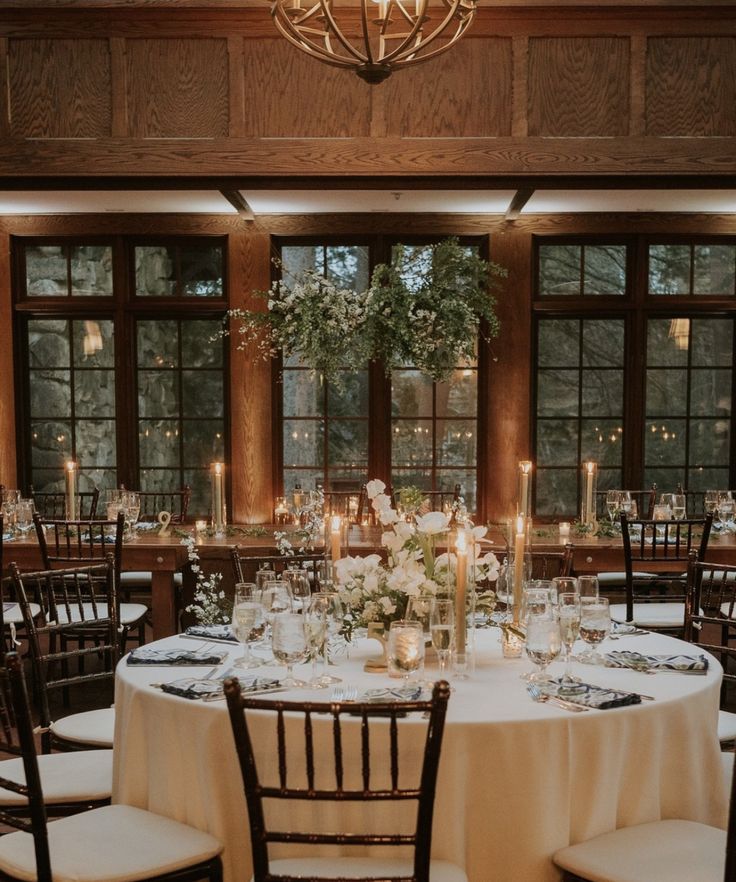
(518, 780)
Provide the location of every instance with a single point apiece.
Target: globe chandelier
(378, 37)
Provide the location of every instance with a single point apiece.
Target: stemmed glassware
(543, 642)
(568, 605)
(298, 582)
(248, 622)
(595, 624)
(679, 506)
(588, 586)
(613, 504)
(726, 508)
(334, 615)
(289, 644)
(315, 625)
(24, 516)
(419, 609)
(442, 630)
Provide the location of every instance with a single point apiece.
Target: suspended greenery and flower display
(426, 309)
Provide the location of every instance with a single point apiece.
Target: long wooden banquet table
(164, 556)
(517, 780)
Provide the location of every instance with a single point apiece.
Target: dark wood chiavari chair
(129, 843)
(645, 501)
(175, 502)
(52, 506)
(349, 504)
(550, 564)
(334, 763)
(245, 566)
(656, 600)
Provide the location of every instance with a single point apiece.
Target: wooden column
(8, 464)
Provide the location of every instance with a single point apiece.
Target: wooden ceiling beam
(521, 197)
(239, 203)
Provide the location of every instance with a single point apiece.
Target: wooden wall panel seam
(4, 90)
(119, 88)
(236, 87)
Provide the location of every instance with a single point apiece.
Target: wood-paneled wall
(215, 93)
(249, 253)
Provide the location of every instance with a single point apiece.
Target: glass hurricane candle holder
(405, 649)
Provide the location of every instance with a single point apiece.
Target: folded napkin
(601, 699)
(683, 664)
(145, 656)
(207, 689)
(212, 632)
(622, 629)
(399, 693)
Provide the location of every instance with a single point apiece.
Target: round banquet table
(517, 779)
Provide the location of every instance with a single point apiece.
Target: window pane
(715, 270)
(665, 479)
(158, 443)
(158, 394)
(669, 269)
(307, 479)
(348, 266)
(48, 343)
(51, 393)
(411, 443)
(712, 342)
(158, 344)
(198, 349)
(710, 392)
(202, 393)
(667, 342)
(91, 270)
(94, 394)
(95, 440)
(411, 394)
(603, 392)
(155, 271)
(605, 269)
(557, 393)
(303, 442)
(557, 442)
(709, 442)
(459, 396)
(199, 481)
(412, 477)
(665, 443)
(557, 492)
(558, 343)
(347, 443)
(46, 271)
(93, 343)
(204, 442)
(352, 398)
(160, 480)
(666, 392)
(708, 479)
(457, 442)
(51, 445)
(603, 343)
(201, 270)
(302, 394)
(447, 478)
(559, 270)
(601, 441)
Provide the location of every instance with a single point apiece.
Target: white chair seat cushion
(77, 776)
(13, 616)
(613, 580)
(349, 867)
(663, 851)
(142, 579)
(727, 758)
(652, 615)
(94, 727)
(727, 609)
(726, 726)
(116, 843)
(129, 613)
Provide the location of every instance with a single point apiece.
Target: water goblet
(588, 586)
(534, 602)
(315, 625)
(543, 642)
(289, 645)
(131, 506)
(726, 507)
(613, 504)
(564, 585)
(679, 506)
(24, 516)
(442, 630)
(405, 649)
(595, 623)
(248, 622)
(298, 582)
(569, 612)
(335, 615)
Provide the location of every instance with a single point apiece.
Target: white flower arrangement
(374, 591)
(211, 605)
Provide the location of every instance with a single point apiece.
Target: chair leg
(216, 870)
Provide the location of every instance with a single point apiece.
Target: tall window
(638, 377)
(82, 308)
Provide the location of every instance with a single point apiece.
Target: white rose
(432, 523)
(374, 487)
(387, 517)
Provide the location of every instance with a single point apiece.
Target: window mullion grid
(687, 403)
(581, 324)
(72, 395)
(180, 390)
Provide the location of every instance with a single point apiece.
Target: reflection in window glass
(192, 269)
(180, 390)
(68, 270)
(325, 425)
(688, 402)
(72, 401)
(683, 270)
(579, 413)
(582, 270)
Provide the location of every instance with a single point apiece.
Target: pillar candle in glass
(218, 497)
(461, 588)
(587, 503)
(281, 510)
(519, 551)
(524, 502)
(70, 485)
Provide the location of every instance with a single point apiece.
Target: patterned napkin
(212, 632)
(191, 688)
(682, 664)
(145, 656)
(601, 699)
(626, 629)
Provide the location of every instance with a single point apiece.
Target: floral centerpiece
(377, 591)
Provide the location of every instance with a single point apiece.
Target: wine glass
(405, 649)
(289, 644)
(595, 623)
(442, 630)
(335, 616)
(248, 622)
(315, 625)
(419, 609)
(665, 499)
(24, 516)
(131, 506)
(298, 582)
(710, 502)
(543, 642)
(588, 586)
(276, 598)
(726, 510)
(564, 585)
(534, 602)
(679, 506)
(568, 605)
(613, 503)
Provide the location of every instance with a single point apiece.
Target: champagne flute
(248, 622)
(543, 642)
(315, 626)
(289, 644)
(569, 611)
(595, 623)
(613, 503)
(442, 630)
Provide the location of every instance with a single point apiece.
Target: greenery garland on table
(425, 309)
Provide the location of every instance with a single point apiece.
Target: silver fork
(536, 694)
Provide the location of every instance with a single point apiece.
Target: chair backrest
(176, 502)
(73, 603)
(52, 506)
(350, 504)
(68, 543)
(329, 758)
(656, 545)
(710, 611)
(645, 501)
(17, 729)
(549, 564)
(245, 566)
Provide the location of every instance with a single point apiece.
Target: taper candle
(461, 587)
(70, 506)
(335, 536)
(519, 549)
(218, 520)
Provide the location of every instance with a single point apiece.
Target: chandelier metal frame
(320, 30)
